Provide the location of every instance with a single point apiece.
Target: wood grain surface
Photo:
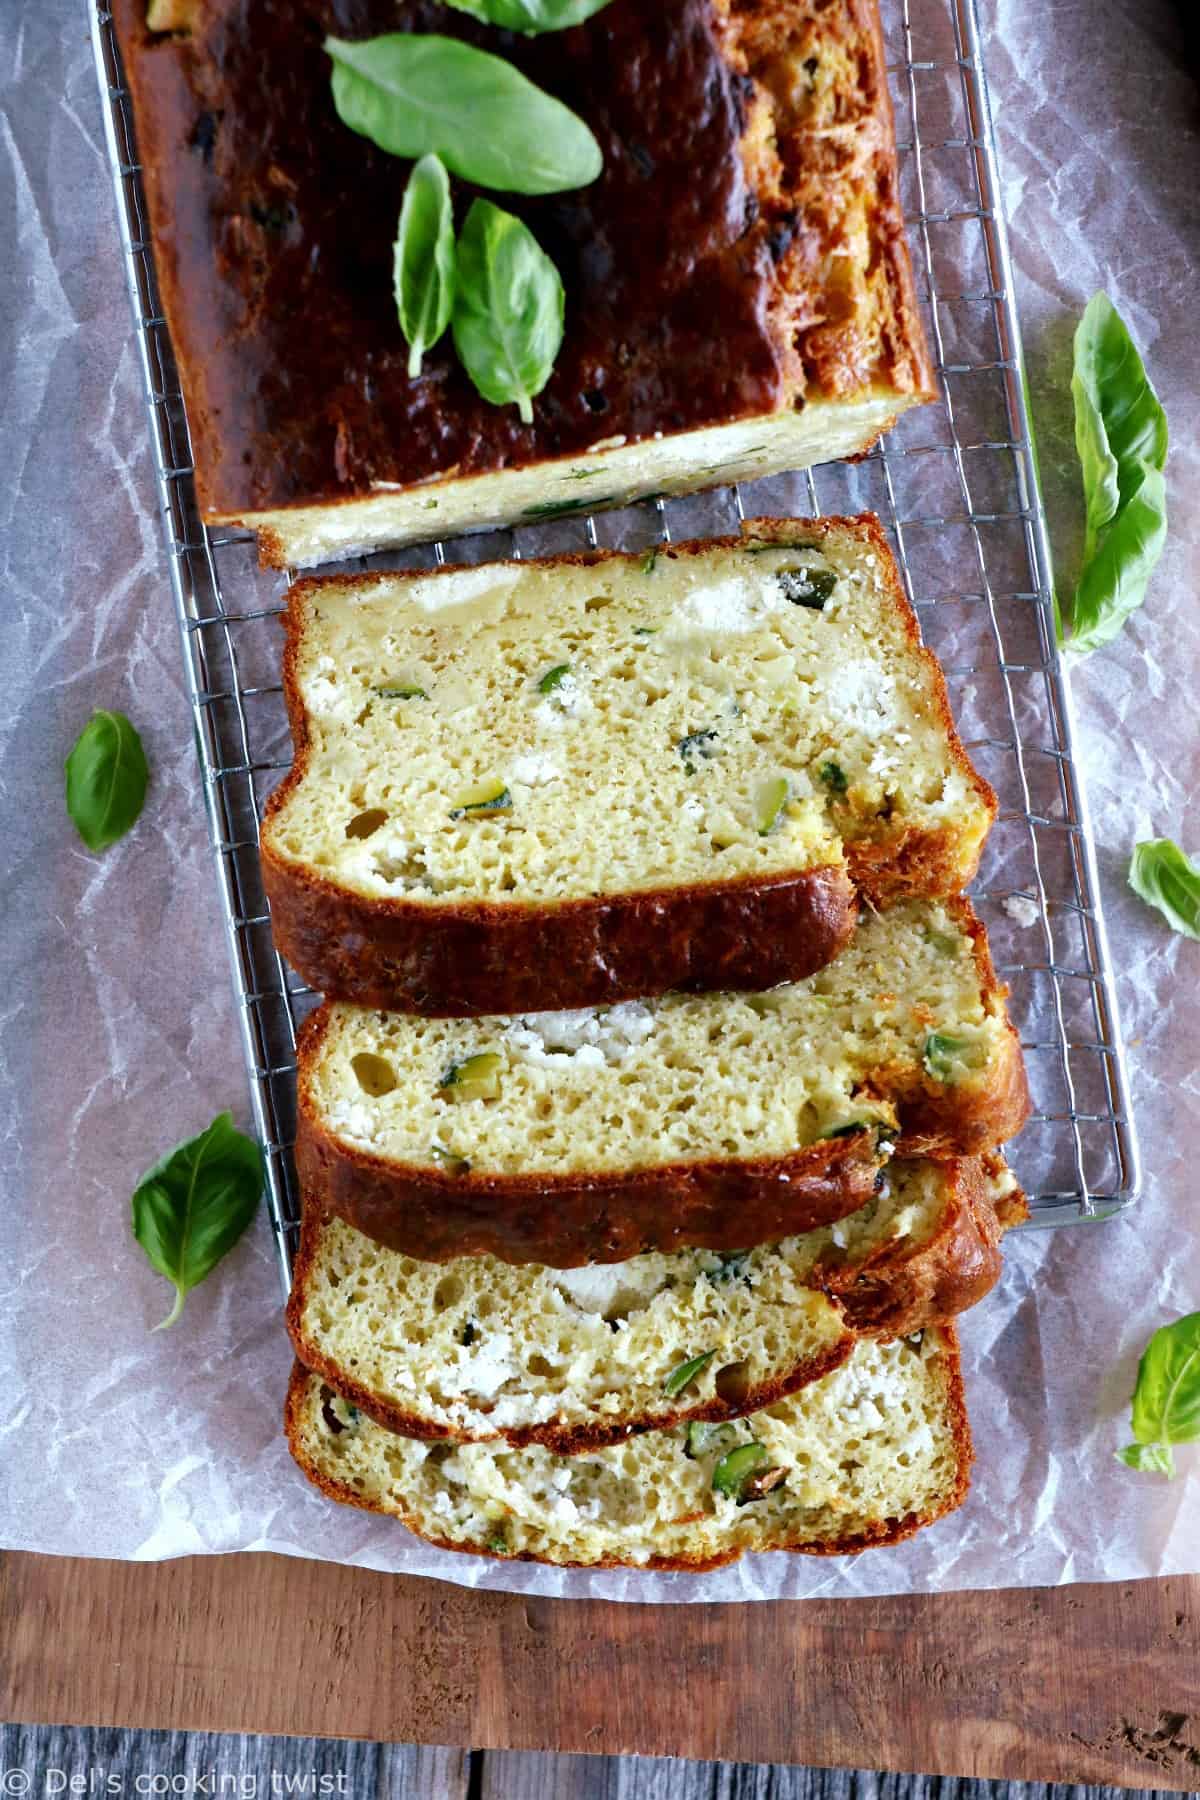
(1096, 1683)
(260, 1768)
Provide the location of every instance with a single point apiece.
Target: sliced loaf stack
(649, 1133)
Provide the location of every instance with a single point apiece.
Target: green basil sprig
(424, 259)
(1164, 877)
(413, 94)
(107, 775)
(1166, 1399)
(530, 16)
(194, 1205)
(1121, 437)
(508, 308)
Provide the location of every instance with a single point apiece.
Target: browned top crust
(889, 1531)
(747, 149)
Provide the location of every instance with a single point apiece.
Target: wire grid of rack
(957, 487)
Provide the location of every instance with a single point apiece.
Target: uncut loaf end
(477, 1349)
(560, 783)
(771, 326)
(714, 1120)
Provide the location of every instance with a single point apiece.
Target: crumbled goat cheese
(436, 593)
(353, 1119)
(322, 694)
(489, 1365)
(534, 770)
(838, 1233)
(596, 1287)
(1022, 910)
(733, 606)
(591, 1039)
(693, 807)
(862, 697)
(569, 700)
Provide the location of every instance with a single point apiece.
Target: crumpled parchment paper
(118, 1033)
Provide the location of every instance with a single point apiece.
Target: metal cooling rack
(957, 487)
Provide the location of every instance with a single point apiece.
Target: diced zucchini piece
(453, 1165)
(374, 1074)
(703, 1435)
(684, 1373)
(806, 587)
(477, 1078)
(736, 1467)
(698, 746)
(946, 1056)
(401, 692)
(769, 802)
(553, 678)
(485, 798)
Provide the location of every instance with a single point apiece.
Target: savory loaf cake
(584, 779)
(718, 1120)
(594, 778)
(577, 1358)
(866, 1455)
(738, 293)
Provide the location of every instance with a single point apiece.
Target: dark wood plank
(111, 1763)
(1083, 1683)
(524, 1775)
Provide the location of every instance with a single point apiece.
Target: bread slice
(738, 293)
(867, 1455)
(585, 779)
(574, 1359)
(719, 1120)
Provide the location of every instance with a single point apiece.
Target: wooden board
(1078, 1684)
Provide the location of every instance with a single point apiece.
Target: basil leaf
(412, 94)
(1166, 1399)
(107, 774)
(1164, 877)
(1151, 1459)
(194, 1205)
(508, 310)
(1121, 438)
(424, 260)
(530, 16)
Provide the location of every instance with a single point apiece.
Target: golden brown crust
(967, 1117)
(896, 1291)
(890, 1531)
(817, 143)
(273, 247)
(479, 957)
(567, 1220)
(484, 957)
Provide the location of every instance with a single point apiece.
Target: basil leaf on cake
(773, 325)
